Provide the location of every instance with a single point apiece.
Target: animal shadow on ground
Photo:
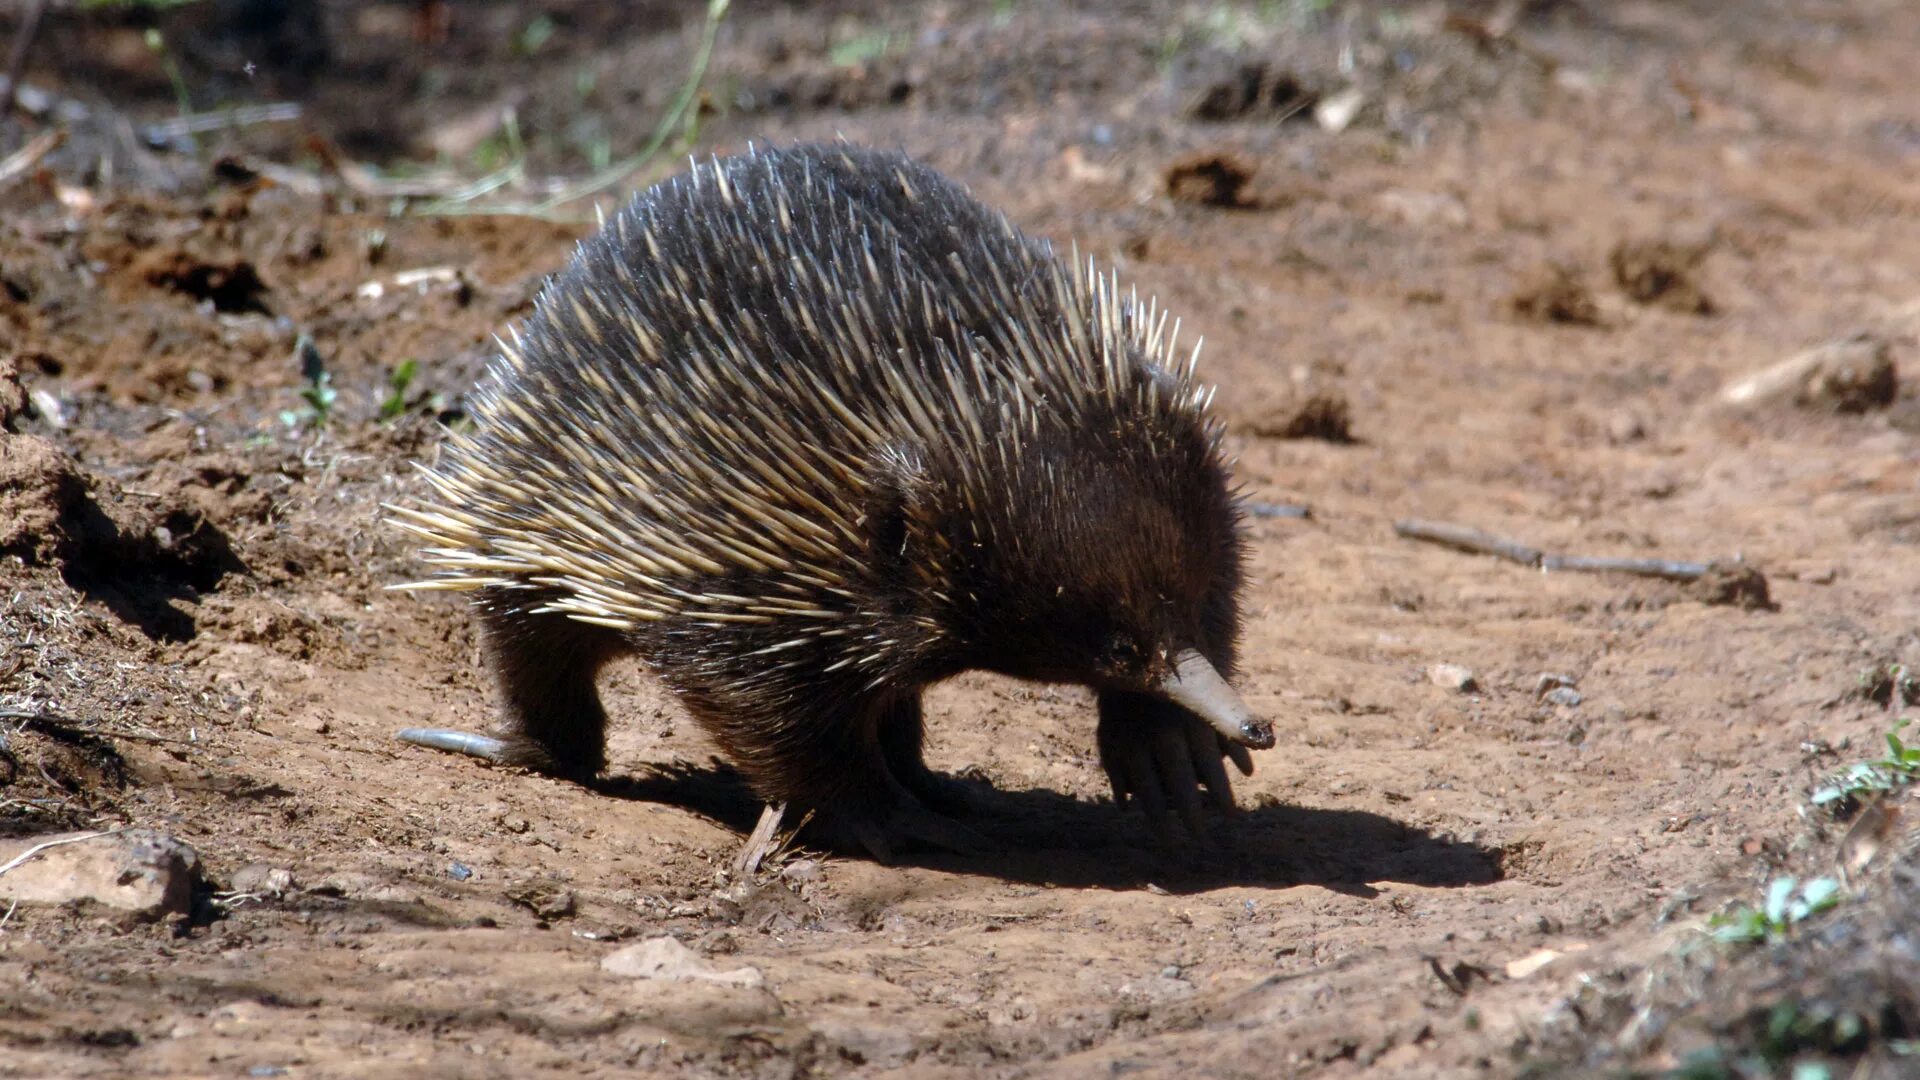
(1042, 837)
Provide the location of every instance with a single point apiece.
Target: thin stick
(203, 123)
(761, 840)
(49, 720)
(1279, 510)
(17, 59)
(1601, 564)
(36, 849)
(1473, 541)
(22, 161)
(1470, 540)
(8, 917)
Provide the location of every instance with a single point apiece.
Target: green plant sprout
(534, 35)
(860, 48)
(318, 393)
(1899, 767)
(402, 378)
(1788, 903)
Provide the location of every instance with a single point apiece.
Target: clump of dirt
(134, 554)
(1214, 178)
(1733, 584)
(1311, 413)
(1252, 89)
(232, 286)
(1555, 293)
(39, 489)
(1855, 380)
(1663, 273)
(13, 396)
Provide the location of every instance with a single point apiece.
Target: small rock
(1452, 677)
(1625, 426)
(48, 406)
(546, 901)
(1549, 680)
(260, 879)
(1848, 376)
(1813, 573)
(1337, 111)
(1424, 208)
(880, 1045)
(1564, 696)
(801, 870)
(666, 959)
(142, 871)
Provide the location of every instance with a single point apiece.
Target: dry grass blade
(467, 201)
(23, 161)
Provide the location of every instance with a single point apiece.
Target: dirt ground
(1492, 264)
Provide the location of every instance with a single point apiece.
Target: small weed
(1900, 766)
(1788, 904)
(157, 45)
(533, 36)
(1889, 685)
(318, 393)
(402, 378)
(861, 48)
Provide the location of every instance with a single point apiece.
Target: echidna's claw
(1166, 761)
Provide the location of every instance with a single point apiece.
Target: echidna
(810, 429)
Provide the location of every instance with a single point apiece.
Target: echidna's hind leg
(836, 764)
(902, 733)
(545, 665)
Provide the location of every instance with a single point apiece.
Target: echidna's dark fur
(808, 430)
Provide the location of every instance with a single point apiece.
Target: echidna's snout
(1197, 687)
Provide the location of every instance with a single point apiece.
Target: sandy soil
(1508, 293)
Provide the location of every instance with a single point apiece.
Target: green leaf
(1817, 896)
(1778, 895)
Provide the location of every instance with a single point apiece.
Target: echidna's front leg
(902, 733)
(1161, 756)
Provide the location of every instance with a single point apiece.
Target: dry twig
(1473, 541)
(22, 161)
(761, 841)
